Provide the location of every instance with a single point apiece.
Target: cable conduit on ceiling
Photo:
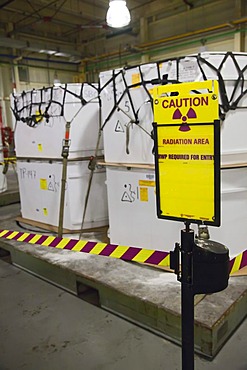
(173, 38)
(125, 58)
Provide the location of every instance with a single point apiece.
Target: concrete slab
(44, 327)
(145, 295)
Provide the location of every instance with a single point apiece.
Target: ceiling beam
(72, 7)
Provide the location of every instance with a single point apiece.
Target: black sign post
(187, 298)
(201, 265)
(185, 276)
(187, 169)
(204, 269)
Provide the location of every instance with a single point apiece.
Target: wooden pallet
(152, 166)
(54, 229)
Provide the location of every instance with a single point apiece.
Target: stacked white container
(127, 114)
(231, 71)
(41, 117)
(127, 118)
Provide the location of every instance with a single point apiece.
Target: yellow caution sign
(188, 152)
(186, 103)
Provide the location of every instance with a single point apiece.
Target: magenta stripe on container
(71, 244)
(88, 247)
(109, 248)
(130, 253)
(156, 257)
(244, 260)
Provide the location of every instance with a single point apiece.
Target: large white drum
(127, 114)
(233, 230)
(230, 69)
(132, 211)
(41, 136)
(40, 190)
(129, 224)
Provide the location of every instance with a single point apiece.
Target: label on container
(146, 183)
(43, 184)
(136, 79)
(144, 194)
(38, 116)
(40, 147)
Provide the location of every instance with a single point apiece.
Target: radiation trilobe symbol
(178, 115)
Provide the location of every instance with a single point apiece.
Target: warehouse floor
(44, 327)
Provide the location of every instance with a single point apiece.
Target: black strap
(43, 106)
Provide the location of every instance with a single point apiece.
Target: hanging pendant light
(118, 14)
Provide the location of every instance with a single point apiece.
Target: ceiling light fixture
(118, 14)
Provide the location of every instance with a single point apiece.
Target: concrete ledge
(9, 197)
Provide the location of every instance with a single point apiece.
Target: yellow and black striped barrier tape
(8, 160)
(238, 262)
(158, 258)
(152, 257)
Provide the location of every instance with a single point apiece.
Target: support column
(5, 91)
(144, 37)
(239, 37)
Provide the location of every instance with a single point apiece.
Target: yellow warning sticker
(136, 78)
(186, 103)
(38, 116)
(43, 184)
(45, 211)
(146, 183)
(40, 147)
(144, 194)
